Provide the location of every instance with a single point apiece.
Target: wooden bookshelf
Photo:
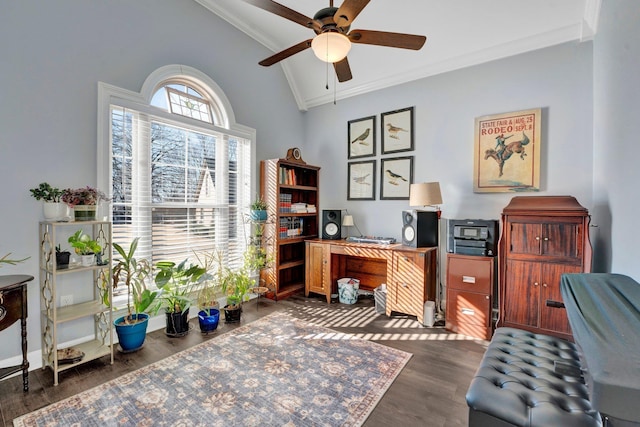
(291, 191)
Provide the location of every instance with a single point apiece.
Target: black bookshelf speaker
(331, 224)
(420, 228)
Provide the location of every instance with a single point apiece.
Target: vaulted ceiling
(460, 33)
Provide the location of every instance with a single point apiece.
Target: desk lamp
(426, 194)
(347, 221)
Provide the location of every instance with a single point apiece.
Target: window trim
(221, 110)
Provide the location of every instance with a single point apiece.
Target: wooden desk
(409, 273)
(13, 306)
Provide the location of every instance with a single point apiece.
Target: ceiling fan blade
(285, 53)
(285, 12)
(348, 11)
(343, 71)
(383, 38)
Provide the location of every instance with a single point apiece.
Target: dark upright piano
(604, 313)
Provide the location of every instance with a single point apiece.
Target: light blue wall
(616, 173)
(556, 79)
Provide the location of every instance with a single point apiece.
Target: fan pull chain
(335, 85)
(326, 86)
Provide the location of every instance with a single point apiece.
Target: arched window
(179, 169)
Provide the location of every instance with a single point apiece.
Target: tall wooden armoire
(542, 238)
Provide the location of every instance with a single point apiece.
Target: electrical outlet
(66, 300)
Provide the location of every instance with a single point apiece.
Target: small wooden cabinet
(318, 269)
(409, 273)
(408, 288)
(470, 294)
(542, 238)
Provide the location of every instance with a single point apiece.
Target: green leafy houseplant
(47, 193)
(212, 279)
(62, 257)
(259, 210)
(259, 205)
(235, 287)
(176, 282)
(84, 244)
(133, 273)
(256, 258)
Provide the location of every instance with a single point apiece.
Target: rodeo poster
(507, 152)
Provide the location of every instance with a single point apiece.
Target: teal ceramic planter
(131, 337)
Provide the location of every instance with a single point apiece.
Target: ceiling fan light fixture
(331, 46)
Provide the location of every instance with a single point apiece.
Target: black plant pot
(62, 260)
(177, 324)
(232, 315)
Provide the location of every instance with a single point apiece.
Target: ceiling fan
(333, 38)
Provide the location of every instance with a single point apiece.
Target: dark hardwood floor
(428, 393)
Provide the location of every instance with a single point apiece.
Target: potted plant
(132, 272)
(85, 246)
(52, 205)
(62, 258)
(212, 279)
(235, 287)
(256, 258)
(259, 210)
(176, 282)
(84, 202)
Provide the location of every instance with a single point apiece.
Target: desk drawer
(359, 251)
(469, 307)
(10, 307)
(470, 273)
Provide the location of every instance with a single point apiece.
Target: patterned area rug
(276, 371)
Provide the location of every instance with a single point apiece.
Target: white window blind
(181, 188)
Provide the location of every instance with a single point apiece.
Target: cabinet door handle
(544, 284)
(468, 311)
(537, 237)
(486, 297)
(404, 285)
(468, 279)
(546, 239)
(536, 284)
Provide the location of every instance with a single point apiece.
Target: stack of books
(302, 208)
(285, 203)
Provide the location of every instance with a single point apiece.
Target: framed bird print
(362, 180)
(396, 175)
(397, 131)
(362, 137)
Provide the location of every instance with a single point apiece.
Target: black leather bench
(529, 380)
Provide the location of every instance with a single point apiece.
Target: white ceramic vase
(55, 211)
(87, 260)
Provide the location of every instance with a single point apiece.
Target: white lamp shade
(331, 46)
(347, 221)
(425, 194)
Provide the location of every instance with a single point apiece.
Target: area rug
(275, 371)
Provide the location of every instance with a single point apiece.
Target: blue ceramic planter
(209, 322)
(131, 337)
(258, 215)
